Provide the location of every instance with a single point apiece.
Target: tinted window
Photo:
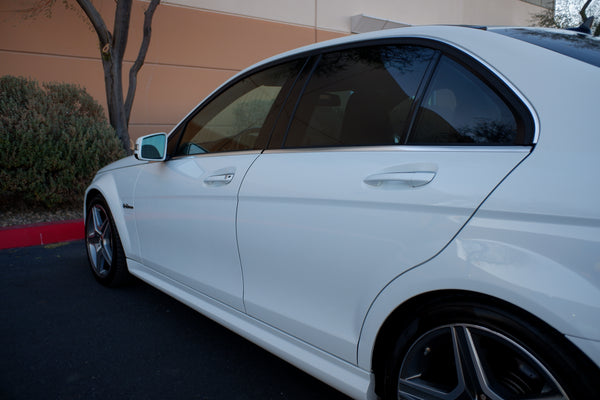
(359, 97)
(459, 108)
(234, 120)
(579, 46)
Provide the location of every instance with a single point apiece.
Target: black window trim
(511, 97)
(480, 68)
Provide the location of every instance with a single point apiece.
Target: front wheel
(105, 252)
(471, 351)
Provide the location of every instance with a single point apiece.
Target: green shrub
(53, 138)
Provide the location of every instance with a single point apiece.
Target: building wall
(197, 44)
(335, 15)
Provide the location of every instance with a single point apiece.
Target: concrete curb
(41, 234)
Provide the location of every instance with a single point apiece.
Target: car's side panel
(589, 347)
(344, 376)
(321, 233)
(520, 259)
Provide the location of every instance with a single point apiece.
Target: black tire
(103, 244)
(462, 349)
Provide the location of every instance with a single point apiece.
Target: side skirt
(345, 377)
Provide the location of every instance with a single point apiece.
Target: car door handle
(219, 179)
(412, 179)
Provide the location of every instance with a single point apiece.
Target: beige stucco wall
(197, 44)
(334, 15)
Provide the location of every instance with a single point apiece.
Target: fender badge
(128, 206)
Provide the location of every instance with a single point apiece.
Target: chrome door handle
(219, 179)
(412, 179)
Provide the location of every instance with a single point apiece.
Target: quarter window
(235, 120)
(460, 109)
(359, 97)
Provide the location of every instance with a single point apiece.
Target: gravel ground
(26, 217)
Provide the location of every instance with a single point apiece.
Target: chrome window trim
(443, 42)
(404, 148)
(358, 43)
(217, 154)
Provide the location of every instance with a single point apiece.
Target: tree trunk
(135, 68)
(112, 50)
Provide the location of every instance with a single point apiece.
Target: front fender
(117, 187)
(544, 271)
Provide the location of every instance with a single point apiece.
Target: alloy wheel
(99, 240)
(462, 361)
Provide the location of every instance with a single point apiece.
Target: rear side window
(459, 108)
(359, 97)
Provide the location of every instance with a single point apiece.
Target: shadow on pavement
(64, 336)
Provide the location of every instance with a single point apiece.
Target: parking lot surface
(64, 336)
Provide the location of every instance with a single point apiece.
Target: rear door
(390, 150)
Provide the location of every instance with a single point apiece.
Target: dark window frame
(176, 136)
(515, 103)
(524, 119)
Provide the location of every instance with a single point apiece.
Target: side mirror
(151, 147)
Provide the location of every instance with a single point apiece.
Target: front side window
(359, 97)
(235, 119)
(460, 109)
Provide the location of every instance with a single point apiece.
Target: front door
(185, 208)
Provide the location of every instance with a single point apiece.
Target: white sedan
(407, 214)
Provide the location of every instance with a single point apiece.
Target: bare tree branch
(95, 18)
(148, 14)
(582, 12)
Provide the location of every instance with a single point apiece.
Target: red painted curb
(41, 234)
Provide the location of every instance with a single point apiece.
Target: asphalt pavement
(64, 336)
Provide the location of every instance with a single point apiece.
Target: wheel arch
(407, 312)
(403, 319)
(507, 269)
(106, 187)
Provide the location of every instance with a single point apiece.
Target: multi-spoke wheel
(473, 362)
(467, 351)
(104, 249)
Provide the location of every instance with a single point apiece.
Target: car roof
(580, 46)
(576, 45)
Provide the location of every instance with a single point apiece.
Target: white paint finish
(317, 242)
(347, 378)
(336, 15)
(545, 265)
(186, 223)
(117, 188)
(533, 243)
(590, 347)
(566, 156)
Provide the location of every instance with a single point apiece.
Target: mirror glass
(153, 147)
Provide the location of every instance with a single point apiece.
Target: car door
(185, 207)
(390, 151)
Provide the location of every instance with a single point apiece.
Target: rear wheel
(471, 351)
(105, 252)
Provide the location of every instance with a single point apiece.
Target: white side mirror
(151, 147)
